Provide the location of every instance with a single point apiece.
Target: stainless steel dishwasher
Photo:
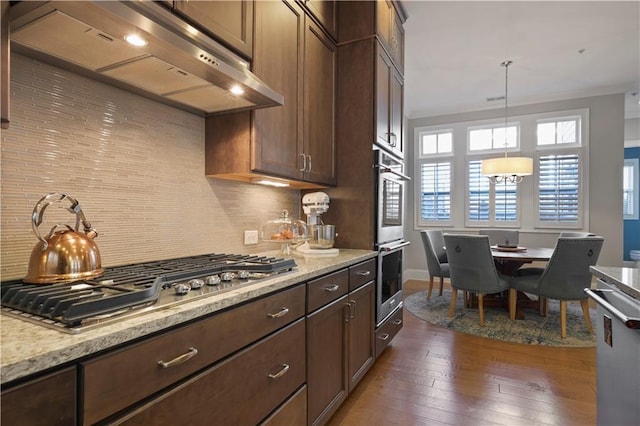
(618, 356)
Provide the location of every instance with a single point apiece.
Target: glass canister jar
(284, 230)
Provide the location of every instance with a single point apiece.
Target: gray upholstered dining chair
(570, 234)
(503, 237)
(436, 258)
(564, 278)
(472, 269)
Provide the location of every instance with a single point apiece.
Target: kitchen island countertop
(28, 348)
(625, 279)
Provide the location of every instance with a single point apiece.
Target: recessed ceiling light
(135, 40)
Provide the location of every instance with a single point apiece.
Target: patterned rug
(533, 330)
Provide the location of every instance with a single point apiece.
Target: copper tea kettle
(63, 255)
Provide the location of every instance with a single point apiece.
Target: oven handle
(385, 169)
(393, 247)
(629, 322)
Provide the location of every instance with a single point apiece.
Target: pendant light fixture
(506, 169)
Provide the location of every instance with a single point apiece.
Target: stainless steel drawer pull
(332, 288)
(397, 322)
(364, 273)
(179, 359)
(285, 368)
(282, 312)
(384, 336)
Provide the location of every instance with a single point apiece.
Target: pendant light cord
(506, 64)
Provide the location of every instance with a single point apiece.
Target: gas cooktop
(129, 290)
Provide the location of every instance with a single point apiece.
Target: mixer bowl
(322, 236)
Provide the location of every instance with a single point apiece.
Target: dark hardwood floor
(431, 376)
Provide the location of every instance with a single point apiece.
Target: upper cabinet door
(278, 61)
(325, 12)
(319, 105)
(229, 21)
(389, 109)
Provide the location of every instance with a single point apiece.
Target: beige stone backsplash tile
(136, 167)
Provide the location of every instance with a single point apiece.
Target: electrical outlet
(250, 237)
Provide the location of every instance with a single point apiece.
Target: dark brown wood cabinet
(325, 12)
(231, 22)
(242, 390)
(119, 379)
(295, 141)
(340, 345)
(389, 105)
(388, 330)
(389, 21)
(47, 401)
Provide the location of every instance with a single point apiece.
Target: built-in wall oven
(390, 191)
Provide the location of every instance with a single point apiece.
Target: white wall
(606, 145)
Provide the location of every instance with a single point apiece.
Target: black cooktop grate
(129, 287)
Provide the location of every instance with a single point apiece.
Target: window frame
(634, 163)
(430, 159)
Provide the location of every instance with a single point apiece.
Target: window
(434, 154)
(558, 131)
(559, 189)
(450, 190)
(630, 183)
(493, 138)
(490, 204)
(435, 192)
(559, 171)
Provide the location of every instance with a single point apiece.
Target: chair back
(569, 234)
(434, 250)
(567, 273)
(471, 264)
(502, 237)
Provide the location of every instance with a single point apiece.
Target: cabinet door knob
(285, 368)
(179, 359)
(397, 322)
(364, 273)
(384, 336)
(282, 312)
(308, 164)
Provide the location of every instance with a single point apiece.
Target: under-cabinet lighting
(236, 90)
(270, 182)
(135, 40)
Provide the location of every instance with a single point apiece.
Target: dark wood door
(383, 77)
(361, 346)
(278, 61)
(319, 105)
(395, 111)
(325, 11)
(229, 21)
(327, 382)
(47, 401)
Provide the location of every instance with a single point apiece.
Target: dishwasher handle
(597, 295)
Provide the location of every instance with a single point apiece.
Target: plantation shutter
(559, 188)
(478, 195)
(435, 191)
(506, 202)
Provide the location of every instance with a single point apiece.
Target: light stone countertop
(27, 348)
(626, 279)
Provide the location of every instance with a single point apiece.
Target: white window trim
(527, 197)
(635, 164)
(432, 158)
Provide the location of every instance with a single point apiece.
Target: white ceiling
(454, 49)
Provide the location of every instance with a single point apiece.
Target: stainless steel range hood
(179, 65)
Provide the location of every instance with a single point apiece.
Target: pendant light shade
(506, 169)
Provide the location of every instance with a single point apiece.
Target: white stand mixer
(322, 236)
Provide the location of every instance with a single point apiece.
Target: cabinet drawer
(327, 289)
(361, 274)
(116, 380)
(239, 391)
(388, 330)
(292, 412)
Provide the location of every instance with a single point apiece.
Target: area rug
(532, 330)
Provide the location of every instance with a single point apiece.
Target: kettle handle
(54, 197)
